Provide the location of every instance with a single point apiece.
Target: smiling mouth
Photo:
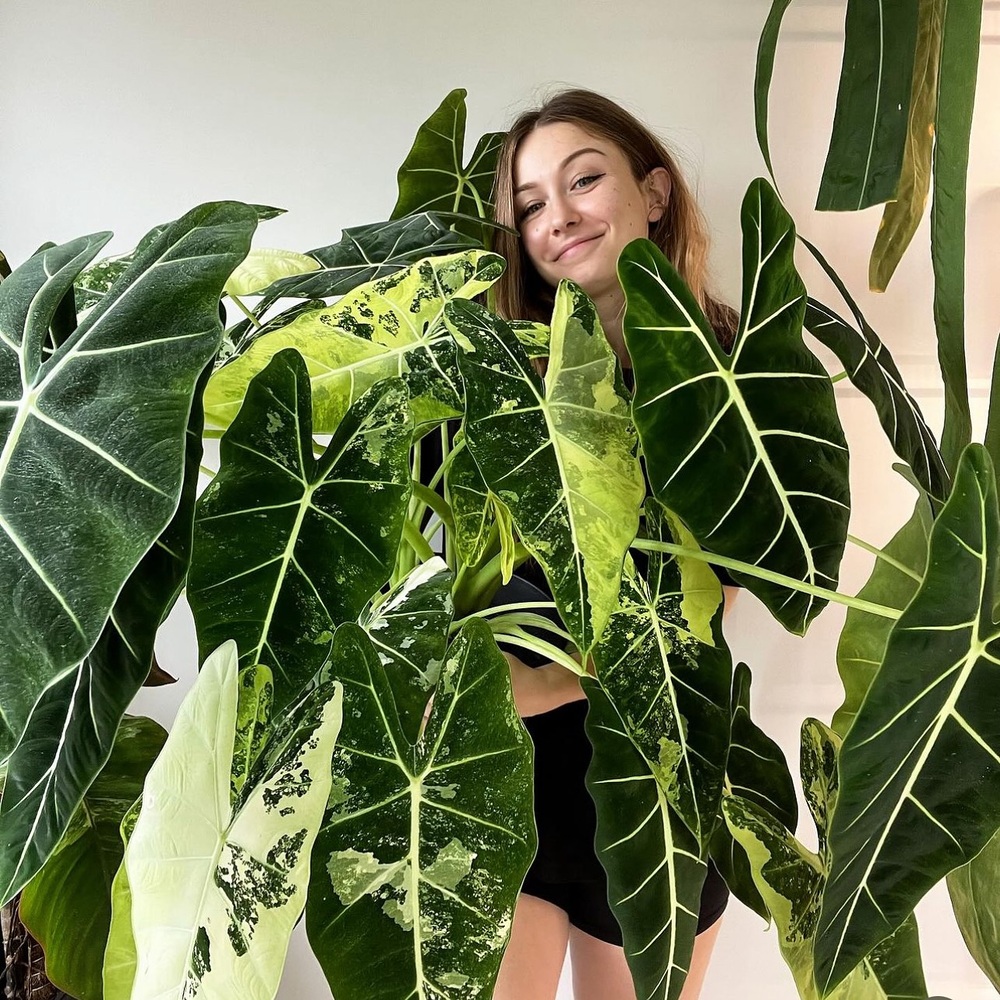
(574, 246)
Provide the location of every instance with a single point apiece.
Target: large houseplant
(327, 621)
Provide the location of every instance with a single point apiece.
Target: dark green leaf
(762, 78)
(746, 448)
(417, 866)
(973, 889)
(873, 102)
(67, 905)
(906, 815)
(92, 462)
(288, 546)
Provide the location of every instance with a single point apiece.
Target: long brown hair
(681, 232)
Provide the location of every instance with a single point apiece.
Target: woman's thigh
(600, 971)
(534, 957)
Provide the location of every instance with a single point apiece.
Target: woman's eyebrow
(563, 165)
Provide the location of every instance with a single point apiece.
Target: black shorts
(566, 870)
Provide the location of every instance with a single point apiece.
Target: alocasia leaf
(263, 266)
(973, 889)
(668, 673)
(762, 78)
(906, 816)
(67, 905)
(655, 875)
(119, 953)
(218, 877)
(388, 327)
(746, 448)
(869, 126)
(559, 454)
(288, 546)
(424, 846)
(92, 453)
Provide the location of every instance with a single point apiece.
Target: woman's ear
(658, 192)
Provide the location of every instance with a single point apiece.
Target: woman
(579, 178)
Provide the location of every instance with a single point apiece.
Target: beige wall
(123, 114)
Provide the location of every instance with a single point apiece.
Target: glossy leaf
(409, 630)
(433, 177)
(67, 906)
(901, 217)
(747, 447)
(906, 816)
(893, 582)
(262, 266)
(95, 280)
(72, 727)
(655, 875)
(869, 126)
(956, 94)
(218, 879)
(119, 954)
(762, 78)
(973, 889)
(757, 772)
(94, 436)
(388, 327)
(424, 847)
(472, 504)
(288, 546)
(560, 455)
(667, 671)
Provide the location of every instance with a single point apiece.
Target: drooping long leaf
(71, 730)
(560, 456)
(746, 448)
(872, 370)
(288, 546)
(762, 78)
(869, 126)
(893, 582)
(388, 327)
(424, 847)
(906, 815)
(67, 905)
(973, 890)
(757, 772)
(433, 177)
(92, 457)
(218, 879)
(901, 217)
(668, 673)
(655, 875)
(409, 630)
(955, 100)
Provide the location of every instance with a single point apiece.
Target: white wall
(121, 114)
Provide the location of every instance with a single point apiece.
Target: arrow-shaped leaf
(747, 449)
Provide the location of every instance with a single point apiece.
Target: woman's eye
(529, 209)
(589, 179)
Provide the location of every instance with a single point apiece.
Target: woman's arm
(541, 689)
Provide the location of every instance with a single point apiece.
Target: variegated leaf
(746, 448)
(387, 327)
(560, 456)
(92, 455)
(424, 846)
(242, 859)
(265, 265)
(288, 546)
(906, 816)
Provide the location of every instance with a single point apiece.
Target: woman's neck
(611, 312)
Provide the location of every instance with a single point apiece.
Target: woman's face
(577, 205)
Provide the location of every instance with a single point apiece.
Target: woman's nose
(564, 214)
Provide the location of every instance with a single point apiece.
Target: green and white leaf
(119, 954)
(533, 337)
(67, 906)
(218, 880)
(262, 266)
(906, 816)
(288, 546)
(873, 104)
(668, 673)
(756, 771)
(424, 847)
(655, 875)
(559, 454)
(746, 448)
(433, 177)
(409, 630)
(973, 890)
(386, 328)
(95, 280)
(94, 435)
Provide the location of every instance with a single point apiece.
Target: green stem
(417, 542)
(838, 378)
(554, 653)
(879, 554)
(650, 545)
(436, 502)
(246, 312)
(480, 581)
